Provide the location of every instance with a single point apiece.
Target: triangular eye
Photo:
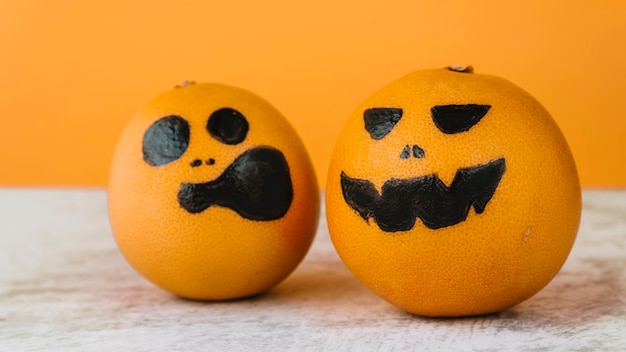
(165, 140)
(228, 126)
(457, 118)
(380, 121)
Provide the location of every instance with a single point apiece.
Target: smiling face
(452, 193)
(426, 197)
(211, 193)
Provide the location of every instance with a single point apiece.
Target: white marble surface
(64, 286)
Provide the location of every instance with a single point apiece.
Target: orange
(211, 193)
(451, 193)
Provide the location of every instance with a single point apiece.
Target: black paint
(418, 152)
(228, 126)
(196, 163)
(380, 121)
(452, 119)
(406, 152)
(424, 197)
(165, 140)
(257, 185)
(211, 161)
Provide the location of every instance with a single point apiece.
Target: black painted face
(257, 184)
(401, 202)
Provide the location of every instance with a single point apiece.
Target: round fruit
(211, 194)
(451, 193)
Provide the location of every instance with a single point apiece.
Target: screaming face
(402, 201)
(257, 184)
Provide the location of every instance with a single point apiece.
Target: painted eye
(165, 140)
(228, 126)
(380, 121)
(452, 119)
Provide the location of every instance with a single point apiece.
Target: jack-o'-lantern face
(452, 193)
(212, 194)
(426, 197)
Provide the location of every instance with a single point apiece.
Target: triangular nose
(415, 150)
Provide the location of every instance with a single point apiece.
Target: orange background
(73, 72)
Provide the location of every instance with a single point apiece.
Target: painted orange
(489, 261)
(74, 71)
(215, 254)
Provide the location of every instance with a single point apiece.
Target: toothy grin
(401, 202)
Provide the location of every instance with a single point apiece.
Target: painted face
(451, 193)
(256, 185)
(211, 193)
(426, 197)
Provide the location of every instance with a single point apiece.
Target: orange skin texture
(215, 254)
(490, 261)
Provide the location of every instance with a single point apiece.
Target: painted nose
(198, 162)
(415, 150)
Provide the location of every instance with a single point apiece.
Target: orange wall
(73, 72)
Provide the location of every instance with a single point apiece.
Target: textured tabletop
(65, 286)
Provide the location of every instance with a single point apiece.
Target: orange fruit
(451, 193)
(211, 193)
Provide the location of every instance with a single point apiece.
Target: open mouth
(257, 185)
(401, 202)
